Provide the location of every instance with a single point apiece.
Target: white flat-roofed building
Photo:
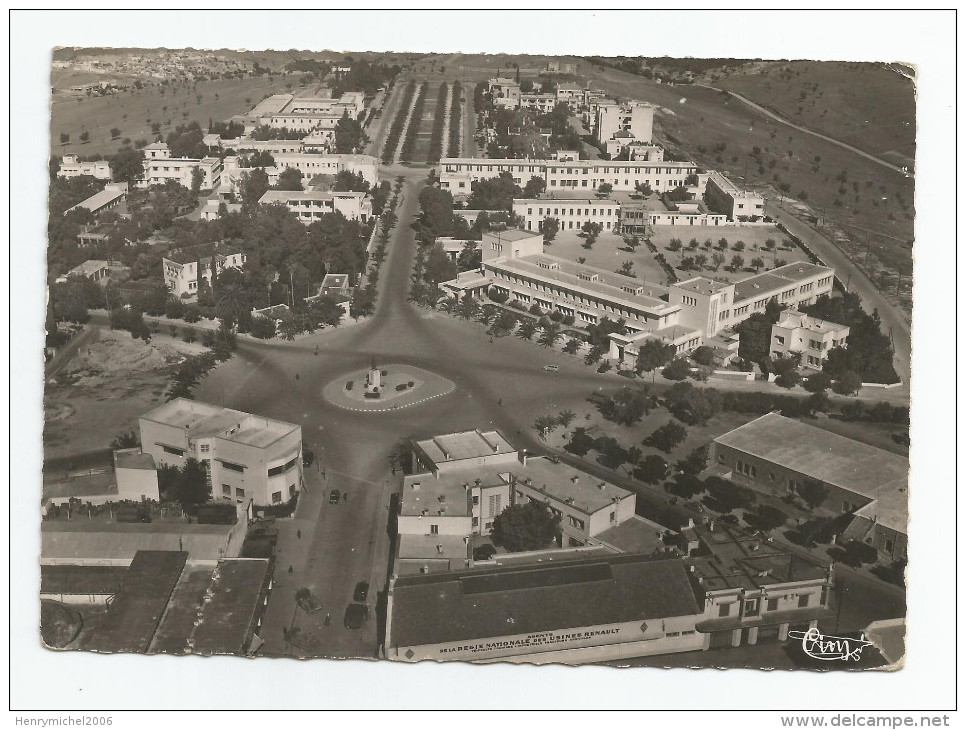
(454, 451)
(543, 103)
(311, 205)
(812, 338)
(587, 506)
(572, 213)
(712, 306)
(246, 456)
(307, 113)
(572, 177)
(159, 170)
(723, 196)
(311, 165)
(110, 197)
(635, 117)
(71, 167)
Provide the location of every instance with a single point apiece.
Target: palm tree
(566, 417)
(550, 334)
(544, 425)
(527, 329)
(486, 314)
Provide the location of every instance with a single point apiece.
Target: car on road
(305, 600)
(551, 368)
(361, 592)
(334, 496)
(728, 519)
(356, 614)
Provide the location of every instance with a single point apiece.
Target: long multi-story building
(713, 306)
(181, 267)
(311, 205)
(684, 314)
(305, 114)
(70, 167)
(110, 197)
(572, 213)
(245, 456)
(458, 174)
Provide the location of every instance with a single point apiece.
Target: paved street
(348, 542)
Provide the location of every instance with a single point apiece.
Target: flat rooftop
(511, 234)
(504, 601)
(792, 318)
(569, 274)
(561, 199)
(284, 196)
(462, 445)
(557, 481)
(735, 559)
(86, 485)
(204, 420)
(82, 539)
(800, 270)
(446, 496)
(861, 469)
(434, 547)
(134, 461)
(81, 579)
(702, 285)
(760, 285)
(636, 535)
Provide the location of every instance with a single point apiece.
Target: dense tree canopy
(528, 526)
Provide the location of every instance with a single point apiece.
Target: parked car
(305, 600)
(728, 519)
(551, 368)
(361, 592)
(334, 496)
(356, 614)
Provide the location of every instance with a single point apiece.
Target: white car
(551, 368)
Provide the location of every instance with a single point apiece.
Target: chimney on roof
(601, 486)
(690, 523)
(575, 478)
(522, 456)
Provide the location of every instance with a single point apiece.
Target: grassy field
(866, 105)
(870, 214)
(130, 112)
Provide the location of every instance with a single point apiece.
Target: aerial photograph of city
(523, 358)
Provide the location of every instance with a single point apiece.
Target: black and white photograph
(551, 358)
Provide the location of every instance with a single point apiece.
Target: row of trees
(439, 122)
(455, 119)
(399, 121)
(415, 120)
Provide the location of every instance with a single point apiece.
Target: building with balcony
(798, 333)
(247, 457)
(311, 205)
(781, 455)
(162, 168)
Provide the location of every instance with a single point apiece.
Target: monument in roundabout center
(386, 388)
(373, 381)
